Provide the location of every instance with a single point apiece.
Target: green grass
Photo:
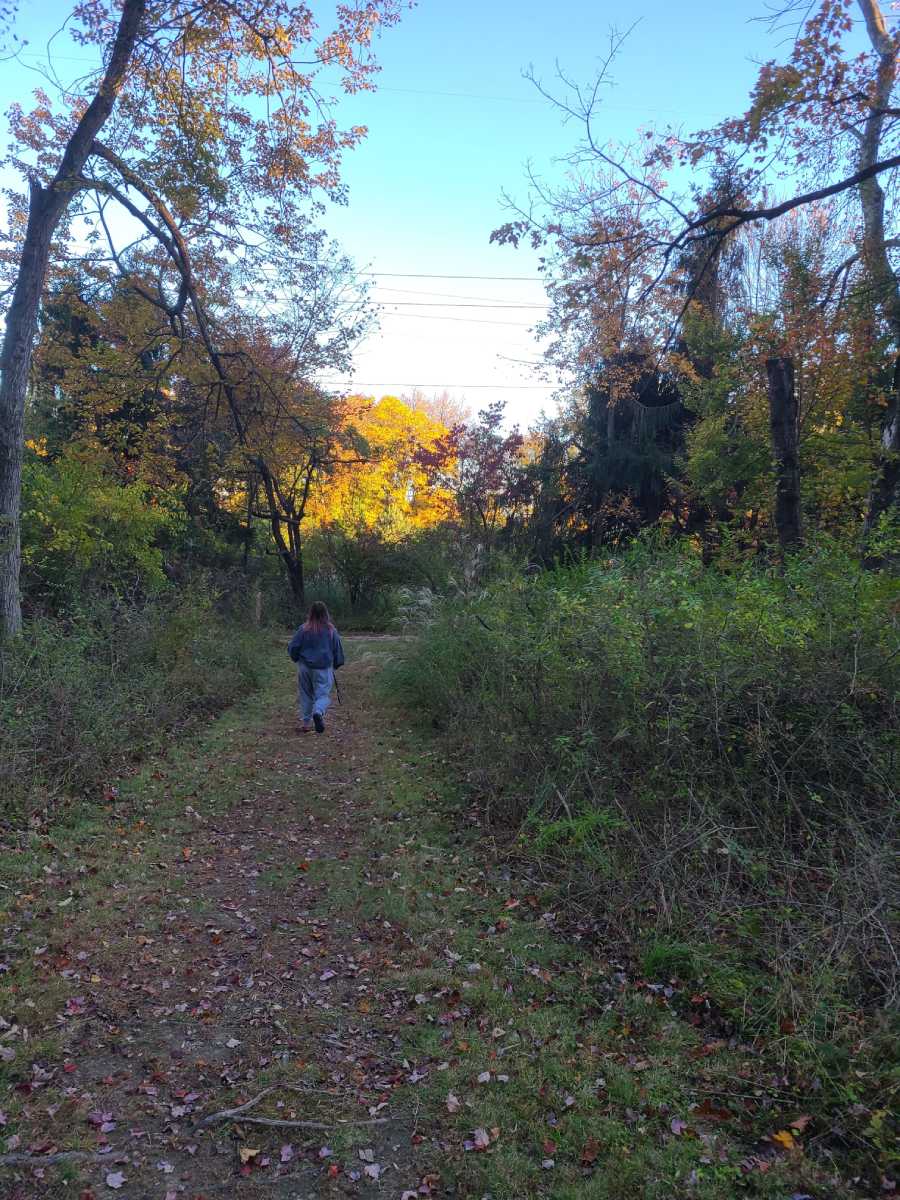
(590, 1062)
(484, 973)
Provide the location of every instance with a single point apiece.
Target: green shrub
(82, 528)
(741, 725)
(82, 697)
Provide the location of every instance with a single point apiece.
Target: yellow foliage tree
(389, 494)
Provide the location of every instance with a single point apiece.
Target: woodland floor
(317, 929)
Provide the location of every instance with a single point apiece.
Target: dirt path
(213, 966)
(290, 925)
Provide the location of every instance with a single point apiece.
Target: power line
(499, 387)
(51, 58)
(414, 275)
(450, 304)
(383, 287)
(467, 320)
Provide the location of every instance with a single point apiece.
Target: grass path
(315, 930)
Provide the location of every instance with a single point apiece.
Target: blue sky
(451, 127)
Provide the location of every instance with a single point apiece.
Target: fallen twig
(228, 1114)
(46, 1160)
(237, 1114)
(320, 1125)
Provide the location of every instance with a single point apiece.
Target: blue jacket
(318, 651)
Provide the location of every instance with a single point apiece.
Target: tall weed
(82, 696)
(705, 753)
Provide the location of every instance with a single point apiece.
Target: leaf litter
(189, 1009)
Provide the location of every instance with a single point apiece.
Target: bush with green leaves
(83, 697)
(83, 529)
(739, 724)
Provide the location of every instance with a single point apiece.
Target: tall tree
(215, 134)
(825, 118)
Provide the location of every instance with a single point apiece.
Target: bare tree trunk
(784, 426)
(885, 492)
(46, 208)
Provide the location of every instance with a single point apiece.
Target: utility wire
(467, 320)
(383, 287)
(500, 387)
(450, 304)
(415, 275)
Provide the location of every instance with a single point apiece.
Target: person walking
(316, 648)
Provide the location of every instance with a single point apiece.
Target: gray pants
(313, 691)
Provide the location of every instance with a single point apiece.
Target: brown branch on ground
(237, 1114)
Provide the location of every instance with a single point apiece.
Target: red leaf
(589, 1152)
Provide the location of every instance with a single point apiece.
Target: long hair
(317, 618)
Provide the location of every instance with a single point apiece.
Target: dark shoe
(319, 722)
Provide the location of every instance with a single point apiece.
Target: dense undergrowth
(84, 693)
(706, 758)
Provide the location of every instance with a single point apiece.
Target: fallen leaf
(785, 1139)
(247, 1155)
(708, 1112)
(452, 1103)
(115, 1180)
(589, 1152)
(287, 1153)
(801, 1123)
(373, 1171)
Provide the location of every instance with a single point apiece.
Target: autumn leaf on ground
(785, 1140)
(480, 1140)
(115, 1180)
(452, 1103)
(708, 1112)
(247, 1155)
(589, 1152)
